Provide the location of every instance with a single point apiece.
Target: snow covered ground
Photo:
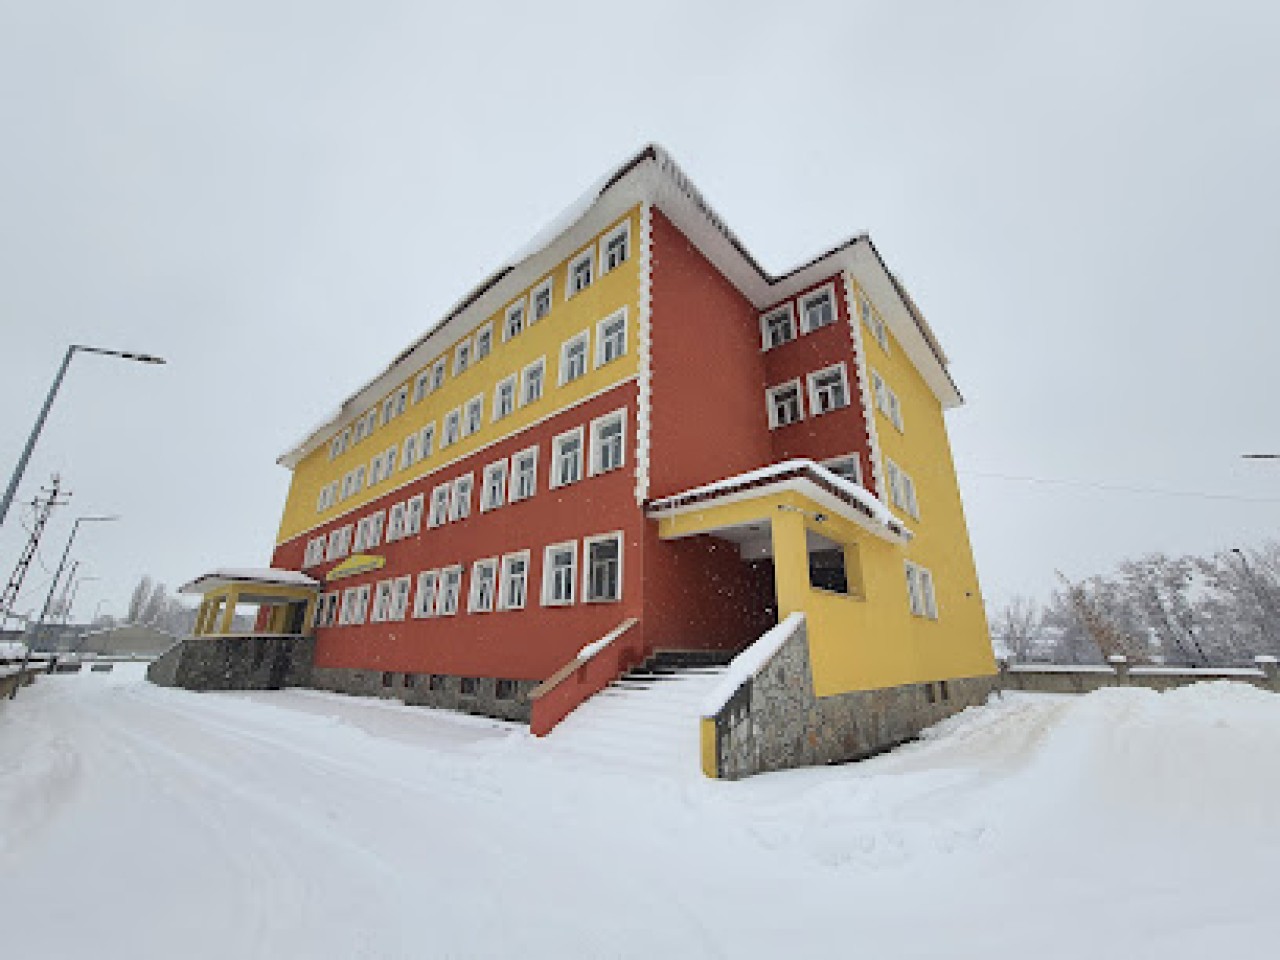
(143, 822)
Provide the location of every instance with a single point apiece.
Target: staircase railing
(594, 667)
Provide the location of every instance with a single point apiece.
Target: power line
(1121, 488)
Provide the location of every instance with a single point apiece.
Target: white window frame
(506, 382)
(541, 366)
(339, 544)
(427, 441)
(827, 289)
(449, 592)
(518, 310)
(548, 574)
(787, 309)
(361, 611)
(460, 500)
(439, 370)
(597, 447)
(622, 230)
(422, 385)
(483, 336)
(493, 495)
(506, 579)
(401, 587)
(771, 406)
(582, 338)
(548, 285)
(887, 401)
(815, 392)
(476, 603)
(602, 342)
(462, 356)
(438, 515)
(853, 458)
(375, 470)
(381, 601)
(874, 322)
(588, 256)
(553, 481)
(520, 456)
(451, 433)
(395, 522)
(922, 597)
(902, 489)
(413, 509)
(929, 594)
(587, 543)
(473, 424)
(424, 601)
(409, 451)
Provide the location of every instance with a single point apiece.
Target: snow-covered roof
(835, 492)
(224, 576)
(651, 175)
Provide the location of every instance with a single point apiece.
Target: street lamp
(53, 587)
(44, 412)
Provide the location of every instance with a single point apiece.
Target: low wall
(245, 662)
(431, 690)
(1085, 678)
(774, 721)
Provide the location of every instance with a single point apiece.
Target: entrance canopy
(285, 600)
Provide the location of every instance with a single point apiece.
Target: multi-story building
(633, 432)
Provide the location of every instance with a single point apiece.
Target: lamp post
(53, 587)
(44, 413)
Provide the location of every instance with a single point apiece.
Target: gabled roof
(651, 175)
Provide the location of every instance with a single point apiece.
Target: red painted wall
(525, 644)
(708, 413)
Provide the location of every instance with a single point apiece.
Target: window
(409, 451)
(514, 587)
(388, 410)
(422, 385)
(437, 374)
(484, 342)
(524, 474)
(874, 323)
(360, 429)
(920, 594)
(389, 461)
(493, 491)
(399, 598)
(531, 381)
(828, 389)
(827, 570)
(615, 247)
(484, 578)
(559, 573)
(394, 405)
(452, 428)
(474, 417)
(849, 467)
(370, 421)
(566, 458)
(573, 357)
(902, 489)
(369, 531)
(469, 686)
(460, 504)
(541, 301)
(357, 482)
(314, 552)
(784, 404)
(335, 447)
(426, 441)
(395, 523)
(424, 604)
(777, 327)
(413, 515)
(818, 309)
(504, 397)
(579, 274)
(439, 505)
(375, 470)
(886, 400)
(381, 602)
(339, 543)
(435, 682)
(602, 578)
(461, 357)
(355, 605)
(611, 337)
(504, 690)
(450, 588)
(607, 448)
(514, 323)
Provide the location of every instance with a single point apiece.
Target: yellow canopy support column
(229, 614)
(790, 562)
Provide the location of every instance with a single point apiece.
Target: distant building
(634, 431)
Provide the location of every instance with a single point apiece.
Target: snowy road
(140, 822)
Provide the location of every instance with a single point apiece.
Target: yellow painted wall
(958, 642)
(620, 287)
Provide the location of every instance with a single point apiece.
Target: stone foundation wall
(257, 662)
(776, 722)
(432, 690)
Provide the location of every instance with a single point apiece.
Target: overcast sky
(277, 197)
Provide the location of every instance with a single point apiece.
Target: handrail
(584, 656)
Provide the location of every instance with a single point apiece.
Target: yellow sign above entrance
(356, 564)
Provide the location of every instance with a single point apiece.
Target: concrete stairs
(649, 718)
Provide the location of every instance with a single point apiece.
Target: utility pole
(44, 507)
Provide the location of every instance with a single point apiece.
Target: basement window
(470, 686)
(827, 570)
(435, 682)
(504, 690)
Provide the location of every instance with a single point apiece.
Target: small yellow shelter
(289, 597)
